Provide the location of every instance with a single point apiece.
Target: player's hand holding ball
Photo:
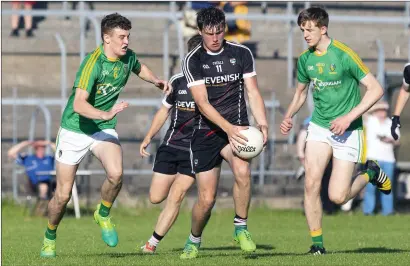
(254, 144)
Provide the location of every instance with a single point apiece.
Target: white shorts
(350, 146)
(72, 146)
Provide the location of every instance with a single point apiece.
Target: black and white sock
(155, 239)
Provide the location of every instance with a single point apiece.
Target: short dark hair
(112, 21)
(210, 17)
(194, 41)
(316, 14)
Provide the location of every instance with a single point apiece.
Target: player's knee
(62, 197)
(242, 176)
(115, 176)
(155, 198)
(312, 186)
(337, 198)
(176, 197)
(206, 201)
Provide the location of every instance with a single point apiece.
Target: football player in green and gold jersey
(336, 130)
(88, 124)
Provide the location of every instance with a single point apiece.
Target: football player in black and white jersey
(173, 174)
(218, 71)
(401, 101)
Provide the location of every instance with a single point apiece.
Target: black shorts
(170, 161)
(206, 147)
(50, 184)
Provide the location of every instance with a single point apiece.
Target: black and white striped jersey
(223, 74)
(182, 116)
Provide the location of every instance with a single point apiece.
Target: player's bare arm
(374, 92)
(200, 95)
(147, 75)
(84, 108)
(257, 105)
(401, 102)
(157, 123)
(402, 99)
(298, 100)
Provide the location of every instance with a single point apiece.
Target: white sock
(194, 239)
(153, 241)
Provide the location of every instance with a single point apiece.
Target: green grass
(281, 236)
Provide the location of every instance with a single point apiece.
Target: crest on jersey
(126, 68)
(332, 69)
(233, 61)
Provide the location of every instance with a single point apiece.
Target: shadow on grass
(371, 250)
(117, 254)
(258, 247)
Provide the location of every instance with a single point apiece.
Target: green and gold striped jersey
(103, 78)
(335, 75)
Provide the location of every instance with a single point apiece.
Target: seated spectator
(28, 19)
(380, 147)
(237, 30)
(39, 161)
(189, 26)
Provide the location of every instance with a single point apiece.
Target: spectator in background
(28, 19)
(238, 30)
(39, 161)
(380, 147)
(189, 26)
(328, 206)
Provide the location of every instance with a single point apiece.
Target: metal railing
(172, 16)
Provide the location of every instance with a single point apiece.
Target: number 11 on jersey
(219, 68)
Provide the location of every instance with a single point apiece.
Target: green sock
(239, 228)
(371, 175)
(317, 238)
(51, 232)
(105, 207)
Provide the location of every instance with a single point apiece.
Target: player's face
(213, 37)
(118, 41)
(312, 33)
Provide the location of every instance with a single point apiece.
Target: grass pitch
(282, 238)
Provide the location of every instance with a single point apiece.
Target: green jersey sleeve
(88, 72)
(136, 65)
(354, 64)
(302, 75)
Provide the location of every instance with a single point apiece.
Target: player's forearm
(157, 123)
(213, 115)
(297, 102)
(369, 99)
(258, 108)
(401, 100)
(147, 75)
(85, 109)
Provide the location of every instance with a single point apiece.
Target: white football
(254, 146)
